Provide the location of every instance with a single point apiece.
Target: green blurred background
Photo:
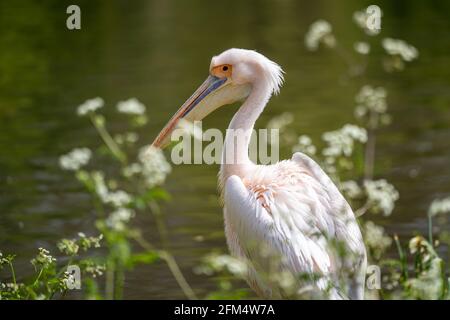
(159, 51)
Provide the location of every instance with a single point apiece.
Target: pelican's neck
(235, 158)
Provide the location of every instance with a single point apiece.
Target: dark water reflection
(158, 51)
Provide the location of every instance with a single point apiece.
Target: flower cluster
(429, 284)
(43, 259)
(154, 166)
(341, 142)
(439, 206)
(399, 52)
(75, 159)
(372, 106)
(86, 243)
(68, 247)
(222, 262)
(304, 145)
(131, 106)
(9, 287)
(117, 198)
(118, 219)
(94, 269)
(375, 239)
(320, 32)
(381, 196)
(90, 106)
(397, 47)
(351, 189)
(5, 260)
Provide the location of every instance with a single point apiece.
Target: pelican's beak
(212, 94)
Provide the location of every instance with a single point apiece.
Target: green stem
(119, 280)
(172, 264)
(35, 282)
(38, 277)
(362, 210)
(444, 281)
(369, 157)
(108, 140)
(402, 257)
(109, 286)
(430, 229)
(167, 256)
(13, 273)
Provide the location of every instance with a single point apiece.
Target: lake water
(159, 52)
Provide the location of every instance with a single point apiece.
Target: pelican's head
(232, 75)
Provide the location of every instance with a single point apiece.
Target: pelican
(286, 218)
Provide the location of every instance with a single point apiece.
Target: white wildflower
(376, 239)
(351, 189)
(132, 169)
(304, 145)
(381, 196)
(320, 32)
(43, 258)
(372, 106)
(75, 159)
(95, 270)
(361, 47)
(227, 262)
(90, 106)
(416, 243)
(155, 167)
(3, 260)
(355, 132)
(429, 283)
(439, 206)
(341, 142)
(131, 106)
(373, 99)
(117, 220)
(68, 247)
(396, 47)
(118, 198)
(89, 242)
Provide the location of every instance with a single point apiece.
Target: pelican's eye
(222, 71)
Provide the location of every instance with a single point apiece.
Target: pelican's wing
(274, 238)
(347, 230)
(298, 216)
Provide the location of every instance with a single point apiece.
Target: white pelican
(287, 218)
